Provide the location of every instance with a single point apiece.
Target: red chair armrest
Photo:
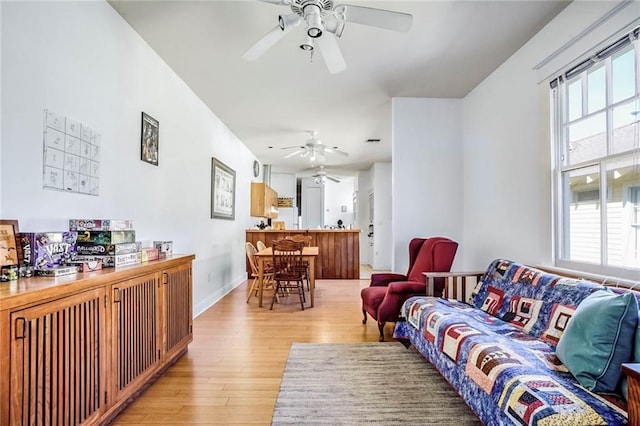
(397, 294)
(383, 279)
(407, 287)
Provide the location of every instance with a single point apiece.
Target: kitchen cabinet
(79, 348)
(264, 200)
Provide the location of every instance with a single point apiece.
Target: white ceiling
(451, 47)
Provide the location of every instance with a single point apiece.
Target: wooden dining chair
(260, 245)
(306, 240)
(267, 276)
(288, 269)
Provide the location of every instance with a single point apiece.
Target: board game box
(44, 250)
(112, 261)
(107, 237)
(100, 225)
(88, 249)
(149, 253)
(57, 271)
(165, 247)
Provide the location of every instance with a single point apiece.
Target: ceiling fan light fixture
(334, 27)
(288, 21)
(307, 45)
(314, 20)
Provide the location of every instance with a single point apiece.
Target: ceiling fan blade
(333, 178)
(294, 153)
(278, 2)
(336, 151)
(265, 43)
(331, 52)
(381, 18)
(293, 146)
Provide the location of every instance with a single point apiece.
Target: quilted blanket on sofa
(505, 375)
(498, 352)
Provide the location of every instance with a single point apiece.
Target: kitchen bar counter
(339, 249)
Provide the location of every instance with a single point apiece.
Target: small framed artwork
(149, 139)
(10, 250)
(223, 190)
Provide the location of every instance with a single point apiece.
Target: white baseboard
(205, 304)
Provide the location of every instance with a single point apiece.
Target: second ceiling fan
(325, 22)
(313, 149)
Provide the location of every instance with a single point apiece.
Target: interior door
(312, 206)
(370, 248)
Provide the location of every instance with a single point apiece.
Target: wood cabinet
(77, 349)
(135, 332)
(264, 200)
(57, 373)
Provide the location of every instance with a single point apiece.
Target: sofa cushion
(599, 338)
(511, 279)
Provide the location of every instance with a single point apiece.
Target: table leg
(260, 279)
(312, 278)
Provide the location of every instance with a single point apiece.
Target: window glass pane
(596, 90)
(588, 139)
(623, 69)
(581, 213)
(625, 126)
(575, 99)
(623, 213)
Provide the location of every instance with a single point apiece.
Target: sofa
(529, 347)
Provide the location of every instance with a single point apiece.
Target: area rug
(363, 383)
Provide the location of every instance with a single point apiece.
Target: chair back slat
(305, 239)
(251, 255)
(287, 260)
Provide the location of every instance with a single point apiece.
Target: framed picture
(149, 139)
(10, 249)
(223, 190)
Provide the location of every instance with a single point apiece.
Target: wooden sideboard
(77, 349)
(339, 250)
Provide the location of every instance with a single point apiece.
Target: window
(596, 116)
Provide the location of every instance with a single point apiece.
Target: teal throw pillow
(599, 339)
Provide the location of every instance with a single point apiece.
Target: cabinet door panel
(177, 308)
(57, 363)
(135, 325)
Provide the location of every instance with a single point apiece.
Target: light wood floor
(232, 372)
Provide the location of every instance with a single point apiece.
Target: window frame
(560, 109)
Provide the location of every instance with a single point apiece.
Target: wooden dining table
(308, 253)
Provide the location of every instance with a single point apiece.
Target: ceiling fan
(325, 21)
(314, 149)
(321, 176)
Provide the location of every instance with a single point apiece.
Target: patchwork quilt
(498, 352)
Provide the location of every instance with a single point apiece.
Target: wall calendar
(71, 155)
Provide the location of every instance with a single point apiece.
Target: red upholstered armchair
(388, 291)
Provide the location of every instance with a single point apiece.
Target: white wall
(82, 60)
(337, 195)
(507, 166)
(1, 110)
(382, 217)
(365, 184)
(427, 173)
